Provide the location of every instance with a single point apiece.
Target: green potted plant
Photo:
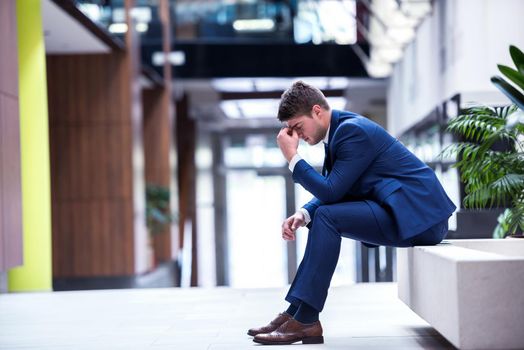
(158, 214)
(495, 175)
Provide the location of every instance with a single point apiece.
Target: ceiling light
(141, 27)
(416, 9)
(390, 54)
(338, 83)
(231, 109)
(233, 84)
(271, 84)
(176, 58)
(402, 35)
(94, 12)
(378, 69)
(142, 14)
(118, 28)
(254, 25)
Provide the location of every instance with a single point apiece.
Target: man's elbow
(329, 197)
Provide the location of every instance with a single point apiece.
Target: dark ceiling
(213, 60)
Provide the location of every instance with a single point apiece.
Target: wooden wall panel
(91, 168)
(156, 137)
(11, 253)
(96, 127)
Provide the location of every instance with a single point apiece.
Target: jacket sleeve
(354, 152)
(311, 207)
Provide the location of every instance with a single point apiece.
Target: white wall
(456, 50)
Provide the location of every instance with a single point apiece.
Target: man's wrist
(294, 161)
(305, 214)
(290, 156)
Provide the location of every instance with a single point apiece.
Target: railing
(375, 264)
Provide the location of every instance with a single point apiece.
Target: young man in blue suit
(372, 189)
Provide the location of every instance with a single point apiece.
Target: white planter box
(471, 291)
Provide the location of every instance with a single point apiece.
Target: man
(372, 189)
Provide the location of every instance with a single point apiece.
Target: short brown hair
(299, 99)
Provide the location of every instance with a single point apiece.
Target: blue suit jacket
(366, 163)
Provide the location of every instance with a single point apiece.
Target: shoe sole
(306, 340)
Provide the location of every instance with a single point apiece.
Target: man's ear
(315, 110)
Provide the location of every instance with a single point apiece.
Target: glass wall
(256, 207)
(300, 21)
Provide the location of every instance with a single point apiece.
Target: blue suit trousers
(354, 220)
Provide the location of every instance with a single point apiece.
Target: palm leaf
(513, 75)
(505, 111)
(510, 220)
(518, 58)
(513, 94)
(510, 183)
(503, 225)
(483, 125)
(491, 177)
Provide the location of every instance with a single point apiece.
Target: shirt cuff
(294, 162)
(307, 218)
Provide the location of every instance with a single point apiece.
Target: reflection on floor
(363, 316)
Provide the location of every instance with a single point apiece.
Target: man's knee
(323, 222)
(323, 213)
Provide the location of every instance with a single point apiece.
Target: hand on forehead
(292, 124)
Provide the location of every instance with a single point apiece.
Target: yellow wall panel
(36, 272)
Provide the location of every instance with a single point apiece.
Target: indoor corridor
(146, 175)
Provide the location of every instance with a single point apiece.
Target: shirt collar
(326, 138)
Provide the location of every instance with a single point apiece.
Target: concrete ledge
(468, 290)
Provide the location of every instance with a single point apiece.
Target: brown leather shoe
(277, 322)
(291, 332)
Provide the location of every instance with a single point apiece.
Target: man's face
(308, 128)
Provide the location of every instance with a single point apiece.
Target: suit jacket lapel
(335, 120)
(328, 159)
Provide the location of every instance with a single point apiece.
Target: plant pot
(151, 261)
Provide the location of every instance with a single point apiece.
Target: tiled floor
(363, 316)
